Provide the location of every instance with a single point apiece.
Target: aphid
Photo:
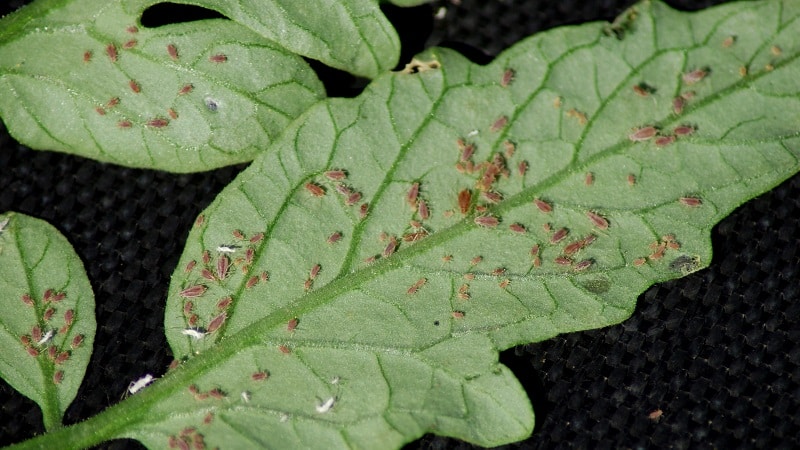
(353, 198)
(217, 394)
(26, 298)
(342, 189)
(505, 283)
(205, 273)
(775, 50)
(535, 250)
(390, 247)
(124, 124)
(499, 124)
(517, 228)
(218, 58)
(643, 134)
(508, 77)
(563, 261)
(415, 287)
(256, 238)
(547, 227)
(315, 271)
(588, 179)
(48, 295)
(589, 239)
(224, 303)
(130, 44)
(487, 221)
(447, 258)
(58, 377)
(158, 122)
(583, 265)
(292, 324)
(559, 235)
(694, 76)
(284, 349)
(691, 201)
(582, 119)
(227, 249)
(411, 196)
(573, 247)
(100, 111)
(639, 261)
(187, 308)
(249, 254)
(466, 152)
(46, 337)
(663, 141)
(111, 51)
(464, 201)
(542, 205)
(187, 88)
(469, 276)
(655, 415)
(172, 51)
(415, 236)
(208, 419)
(52, 352)
(642, 90)
(87, 56)
(223, 263)
(326, 406)
(492, 197)
(498, 271)
(677, 105)
(246, 396)
(259, 376)
(742, 71)
(69, 316)
(32, 351)
(631, 179)
(192, 320)
(264, 276)
(334, 238)
(217, 322)
(728, 41)
(457, 314)
(36, 333)
(196, 333)
(557, 102)
(308, 284)
(61, 358)
(315, 189)
(193, 291)
(77, 341)
(422, 209)
(769, 67)
(132, 29)
(172, 113)
(141, 383)
(336, 175)
(683, 130)
(58, 296)
(522, 168)
(510, 148)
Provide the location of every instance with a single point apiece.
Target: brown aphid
(252, 281)
(48, 295)
(582, 119)
(464, 296)
(775, 50)
(728, 41)
(217, 322)
(476, 260)
(112, 102)
(342, 189)
(256, 238)
(583, 265)
(100, 110)
(469, 276)
(259, 376)
(517, 228)
(61, 358)
(643, 89)
(58, 377)
(87, 56)
(588, 179)
(390, 247)
(187, 88)
(111, 51)
(543, 205)
(655, 415)
(683, 130)
(415, 236)
(466, 153)
(314, 271)
(464, 201)
(208, 419)
(52, 352)
(499, 124)
(573, 247)
(487, 221)
(742, 71)
(422, 210)
(678, 103)
(223, 264)
(216, 394)
(535, 250)
(663, 141)
(172, 113)
(457, 314)
(631, 179)
(597, 220)
(334, 238)
(557, 102)
(547, 227)
(559, 235)
(315, 189)
(157, 122)
(353, 198)
(208, 275)
(69, 316)
(58, 296)
(218, 58)
(498, 271)
(284, 349)
(363, 210)
(659, 252)
(335, 175)
(447, 258)
(694, 76)
(510, 148)
(76, 341)
(563, 261)
(192, 320)
(308, 284)
(508, 77)
(639, 261)
(264, 276)
(132, 29)
(32, 351)
(411, 196)
(130, 44)
(193, 291)
(26, 298)
(643, 134)
(292, 324)
(188, 307)
(691, 201)
(522, 168)
(415, 287)
(172, 51)
(224, 303)
(491, 196)
(124, 124)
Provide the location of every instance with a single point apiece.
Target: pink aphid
(172, 51)
(583, 265)
(187, 308)
(112, 102)
(363, 210)
(124, 124)
(218, 58)
(508, 77)
(252, 281)
(224, 303)
(422, 209)
(208, 275)
(249, 254)
(314, 271)
(683, 130)
(256, 238)
(77, 341)
(487, 221)
(69, 316)
(26, 298)
(172, 113)
(130, 44)
(111, 51)
(353, 198)
(157, 122)
(663, 141)
(87, 56)
(694, 76)
(559, 236)
(678, 103)
(336, 175)
(491, 196)
(58, 377)
(563, 261)
(390, 247)
(48, 296)
(217, 322)
(517, 228)
(597, 220)
(691, 201)
(411, 196)
(522, 168)
(223, 263)
(588, 179)
(466, 152)
(542, 205)
(132, 29)
(48, 314)
(259, 376)
(334, 238)
(499, 124)
(643, 134)
(315, 189)
(415, 287)
(61, 358)
(187, 88)
(535, 250)
(193, 291)
(292, 324)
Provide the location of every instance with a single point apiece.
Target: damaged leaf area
(47, 342)
(352, 288)
(89, 79)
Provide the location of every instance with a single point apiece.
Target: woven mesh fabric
(718, 352)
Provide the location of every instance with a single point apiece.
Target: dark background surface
(718, 351)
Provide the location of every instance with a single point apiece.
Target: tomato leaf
(47, 341)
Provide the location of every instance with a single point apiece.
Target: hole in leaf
(170, 13)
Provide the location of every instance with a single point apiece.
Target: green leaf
(47, 341)
(396, 332)
(84, 79)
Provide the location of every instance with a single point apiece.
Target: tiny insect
(643, 134)
(112, 102)
(141, 383)
(415, 287)
(390, 247)
(292, 324)
(227, 248)
(464, 201)
(124, 124)
(457, 314)
(111, 51)
(314, 271)
(172, 51)
(499, 124)
(559, 235)
(158, 122)
(563, 261)
(217, 394)
(284, 349)
(683, 130)
(256, 238)
(246, 396)
(48, 314)
(26, 298)
(252, 281)
(193, 291)
(58, 377)
(218, 58)
(775, 50)
(411, 196)
(663, 141)
(597, 220)
(492, 197)
(172, 113)
(728, 41)
(132, 29)
(223, 264)
(259, 376)
(678, 104)
(353, 198)
(508, 77)
(543, 205)
(522, 168)
(87, 56)
(487, 221)
(315, 189)
(196, 333)
(205, 273)
(517, 228)
(335, 175)
(334, 238)
(61, 358)
(535, 250)
(187, 88)
(505, 283)
(422, 209)
(130, 44)
(639, 261)
(631, 179)
(326, 406)
(655, 415)
(589, 179)
(691, 201)
(583, 265)
(694, 76)
(217, 322)
(224, 303)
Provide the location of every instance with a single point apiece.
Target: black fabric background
(718, 351)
